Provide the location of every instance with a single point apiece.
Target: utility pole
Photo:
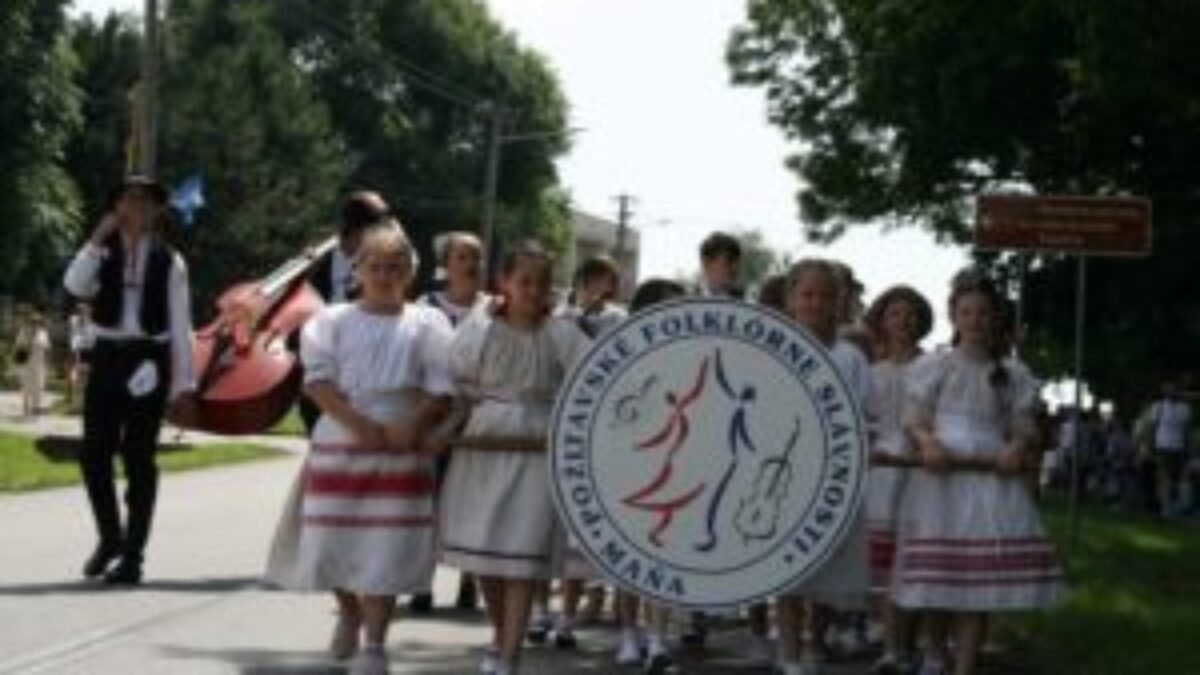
(496, 142)
(491, 179)
(624, 213)
(147, 141)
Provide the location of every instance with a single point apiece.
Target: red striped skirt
(367, 520)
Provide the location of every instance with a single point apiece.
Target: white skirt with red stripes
(361, 520)
(884, 487)
(881, 550)
(973, 542)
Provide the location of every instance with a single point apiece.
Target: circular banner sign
(707, 453)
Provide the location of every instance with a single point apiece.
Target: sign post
(1080, 335)
(1073, 225)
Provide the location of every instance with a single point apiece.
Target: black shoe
(128, 572)
(467, 597)
(659, 664)
(694, 638)
(421, 603)
(565, 639)
(104, 554)
(538, 631)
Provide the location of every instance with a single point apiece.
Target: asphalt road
(202, 609)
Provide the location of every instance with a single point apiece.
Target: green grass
(28, 463)
(1134, 606)
(290, 425)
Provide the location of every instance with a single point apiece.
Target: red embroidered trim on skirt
(955, 544)
(370, 521)
(349, 449)
(405, 484)
(1052, 577)
(978, 562)
(882, 549)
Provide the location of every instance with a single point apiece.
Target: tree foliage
(108, 54)
(237, 109)
(39, 109)
(283, 105)
(904, 111)
(759, 259)
(413, 86)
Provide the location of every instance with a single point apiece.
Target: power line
(624, 213)
(419, 76)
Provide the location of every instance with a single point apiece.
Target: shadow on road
(60, 449)
(413, 657)
(83, 586)
(260, 661)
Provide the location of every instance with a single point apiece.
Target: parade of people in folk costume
(441, 338)
(429, 423)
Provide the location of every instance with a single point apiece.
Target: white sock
(656, 644)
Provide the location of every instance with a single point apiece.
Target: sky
(648, 86)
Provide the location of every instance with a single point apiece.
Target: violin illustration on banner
(757, 515)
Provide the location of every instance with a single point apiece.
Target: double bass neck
(278, 281)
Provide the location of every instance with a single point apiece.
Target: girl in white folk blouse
(377, 369)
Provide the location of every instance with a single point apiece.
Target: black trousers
(118, 424)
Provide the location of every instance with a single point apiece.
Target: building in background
(593, 235)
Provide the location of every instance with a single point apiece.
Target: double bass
(247, 371)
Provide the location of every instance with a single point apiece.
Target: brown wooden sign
(1101, 226)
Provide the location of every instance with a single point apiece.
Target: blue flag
(187, 197)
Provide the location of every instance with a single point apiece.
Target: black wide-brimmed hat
(156, 190)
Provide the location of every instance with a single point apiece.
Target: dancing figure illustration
(670, 439)
(738, 436)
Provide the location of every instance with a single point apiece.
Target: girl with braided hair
(971, 543)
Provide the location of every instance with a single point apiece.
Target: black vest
(320, 277)
(107, 305)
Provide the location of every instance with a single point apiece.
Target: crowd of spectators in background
(1145, 461)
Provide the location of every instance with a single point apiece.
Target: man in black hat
(137, 286)
(333, 275)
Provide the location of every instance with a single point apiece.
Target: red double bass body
(248, 373)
